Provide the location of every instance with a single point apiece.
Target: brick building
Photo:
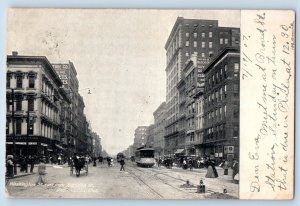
(159, 130)
(221, 105)
(140, 137)
(203, 38)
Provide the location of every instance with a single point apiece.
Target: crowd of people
(209, 163)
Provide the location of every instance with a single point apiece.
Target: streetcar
(144, 157)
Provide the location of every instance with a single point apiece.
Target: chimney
(15, 53)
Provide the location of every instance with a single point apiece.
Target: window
(203, 44)
(210, 34)
(225, 41)
(18, 126)
(195, 43)
(225, 111)
(187, 43)
(187, 34)
(221, 40)
(18, 102)
(196, 53)
(225, 68)
(235, 132)
(195, 35)
(203, 35)
(19, 81)
(211, 53)
(202, 54)
(186, 54)
(236, 69)
(7, 126)
(31, 81)
(31, 104)
(7, 81)
(210, 44)
(236, 113)
(236, 87)
(31, 127)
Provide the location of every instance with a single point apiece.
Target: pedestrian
(122, 163)
(211, 169)
(198, 163)
(10, 166)
(184, 164)
(59, 160)
(108, 161)
(226, 166)
(94, 160)
(191, 164)
(31, 161)
(41, 173)
(235, 173)
(159, 162)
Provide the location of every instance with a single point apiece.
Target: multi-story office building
(203, 38)
(159, 130)
(68, 75)
(150, 136)
(140, 137)
(221, 105)
(35, 103)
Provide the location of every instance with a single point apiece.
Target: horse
(79, 164)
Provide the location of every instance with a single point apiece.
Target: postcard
(150, 104)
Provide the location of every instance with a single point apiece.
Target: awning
(59, 147)
(179, 151)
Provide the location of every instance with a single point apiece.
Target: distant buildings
(140, 137)
(159, 130)
(44, 110)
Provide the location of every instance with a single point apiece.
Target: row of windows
(203, 44)
(19, 81)
(203, 54)
(195, 34)
(216, 96)
(18, 103)
(18, 127)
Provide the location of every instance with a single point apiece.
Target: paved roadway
(135, 183)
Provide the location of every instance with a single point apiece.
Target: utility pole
(13, 129)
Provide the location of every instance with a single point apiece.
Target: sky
(118, 54)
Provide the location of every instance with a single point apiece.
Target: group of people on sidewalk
(24, 161)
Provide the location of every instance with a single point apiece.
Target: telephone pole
(13, 129)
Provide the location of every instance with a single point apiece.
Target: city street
(135, 183)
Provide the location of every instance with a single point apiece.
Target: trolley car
(144, 157)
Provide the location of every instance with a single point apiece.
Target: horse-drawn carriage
(79, 164)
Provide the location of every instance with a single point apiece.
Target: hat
(10, 156)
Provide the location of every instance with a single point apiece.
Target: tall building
(221, 105)
(203, 38)
(140, 137)
(150, 136)
(35, 102)
(68, 75)
(159, 130)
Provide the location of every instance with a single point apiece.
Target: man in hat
(10, 166)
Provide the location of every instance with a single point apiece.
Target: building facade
(159, 130)
(221, 105)
(68, 75)
(203, 38)
(35, 102)
(150, 136)
(140, 137)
